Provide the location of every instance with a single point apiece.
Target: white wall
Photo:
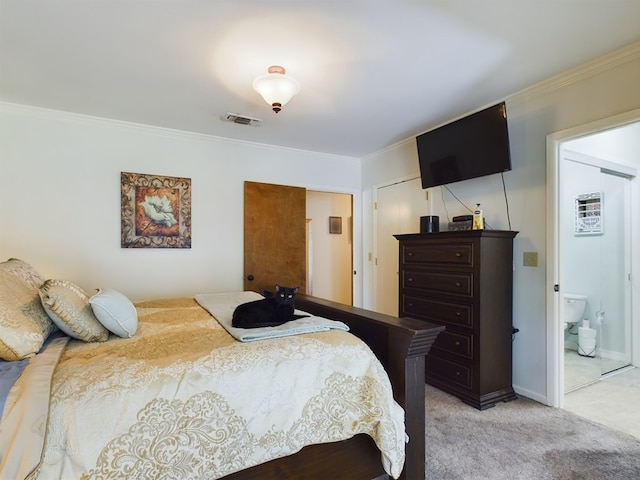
(601, 89)
(331, 252)
(621, 145)
(594, 265)
(60, 199)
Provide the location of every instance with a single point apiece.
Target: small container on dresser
(464, 281)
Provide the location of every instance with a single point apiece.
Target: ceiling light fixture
(276, 88)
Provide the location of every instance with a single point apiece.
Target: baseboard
(612, 355)
(531, 395)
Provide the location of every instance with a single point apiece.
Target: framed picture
(335, 225)
(589, 214)
(155, 211)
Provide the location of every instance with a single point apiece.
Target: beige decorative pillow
(68, 307)
(24, 325)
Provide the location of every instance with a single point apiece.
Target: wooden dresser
(464, 281)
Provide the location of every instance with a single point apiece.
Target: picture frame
(335, 225)
(589, 214)
(155, 211)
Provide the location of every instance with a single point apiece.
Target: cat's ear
(295, 290)
(277, 287)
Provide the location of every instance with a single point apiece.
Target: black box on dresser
(464, 281)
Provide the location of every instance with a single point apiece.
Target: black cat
(267, 312)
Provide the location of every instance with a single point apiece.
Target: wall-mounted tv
(471, 147)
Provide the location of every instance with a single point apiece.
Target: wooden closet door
(274, 236)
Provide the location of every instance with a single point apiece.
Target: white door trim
(555, 343)
(357, 230)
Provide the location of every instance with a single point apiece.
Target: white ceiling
(372, 72)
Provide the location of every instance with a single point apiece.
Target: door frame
(357, 280)
(335, 251)
(357, 228)
(555, 332)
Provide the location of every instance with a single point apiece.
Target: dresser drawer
(458, 314)
(458, 344)
(449, 371)
(456, 283)
(451, 254)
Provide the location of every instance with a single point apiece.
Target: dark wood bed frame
(400, 344)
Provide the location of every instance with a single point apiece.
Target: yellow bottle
(478, 220)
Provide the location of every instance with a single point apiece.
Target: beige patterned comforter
(184, 400)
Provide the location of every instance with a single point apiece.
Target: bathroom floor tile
(611, 401)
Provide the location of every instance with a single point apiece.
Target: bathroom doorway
(594, 246)
(591, 190)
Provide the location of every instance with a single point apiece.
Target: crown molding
(62, 115)
(619, 57)
(581, 72)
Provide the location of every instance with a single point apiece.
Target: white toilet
(572, 309)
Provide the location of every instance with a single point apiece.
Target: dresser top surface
(457, 234)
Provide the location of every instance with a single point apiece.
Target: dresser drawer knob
(457, 342)
(457, 373)
(410, 279)
(458, 284)
(458, 314)
(458, 254)
(409, 254)
(410, 304)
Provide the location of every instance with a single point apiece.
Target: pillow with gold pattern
(24, 324)
(68, 306)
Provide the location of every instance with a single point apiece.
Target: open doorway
(587, 169)
(595, 263)
(290, 239)
(330, 246)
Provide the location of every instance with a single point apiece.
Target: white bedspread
(24, 420)
(182, 399)
(222, 305)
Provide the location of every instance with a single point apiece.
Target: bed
(182, 398)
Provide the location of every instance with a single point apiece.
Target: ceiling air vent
(241, 119)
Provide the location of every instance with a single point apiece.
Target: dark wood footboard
(400, 344)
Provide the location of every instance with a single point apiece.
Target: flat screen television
(471, 147)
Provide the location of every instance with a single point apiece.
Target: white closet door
(399, 208)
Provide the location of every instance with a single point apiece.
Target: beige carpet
(522, 440)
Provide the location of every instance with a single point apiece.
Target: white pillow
(115, 312)
(68, 306)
